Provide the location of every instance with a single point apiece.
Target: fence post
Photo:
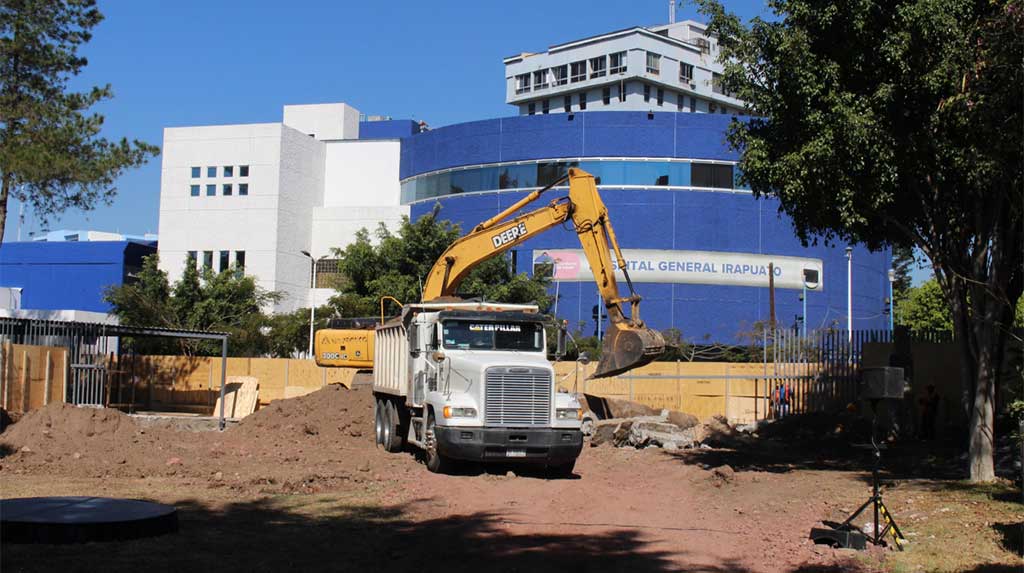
(47, 380)
(727, 394)
(24, 381)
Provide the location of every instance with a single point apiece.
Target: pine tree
(51, 154)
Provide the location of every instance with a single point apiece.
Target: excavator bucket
(627, 347)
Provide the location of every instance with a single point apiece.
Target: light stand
(878, 384)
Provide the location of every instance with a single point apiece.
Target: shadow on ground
(316, 533)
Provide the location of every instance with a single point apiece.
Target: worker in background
(929, 412)
(782, 398)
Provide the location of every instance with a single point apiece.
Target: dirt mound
(333, 413)
(60, 427)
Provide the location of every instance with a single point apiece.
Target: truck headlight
(569, 414)
(450, 412)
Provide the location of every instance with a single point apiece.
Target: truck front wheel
(436, 462)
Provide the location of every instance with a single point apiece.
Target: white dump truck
(471, 381)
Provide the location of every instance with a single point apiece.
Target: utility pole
(849, 294)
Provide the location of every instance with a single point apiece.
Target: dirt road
(300, 485)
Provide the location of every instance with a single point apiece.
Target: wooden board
(240, 397)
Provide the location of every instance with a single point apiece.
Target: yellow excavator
(628, 343)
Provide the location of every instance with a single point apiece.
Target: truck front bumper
(546, 446)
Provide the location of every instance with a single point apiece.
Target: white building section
(255, 196)
(671, 68)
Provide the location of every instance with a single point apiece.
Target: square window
(243, 188)
(578, 71)
(567, 103)
(618, 63)
(661, 96)
(531, 108)
(606, 95)
(224, 261)
(227, 189)
(540, 79)
(207, 259)
(693, 104)
(211, 171)
(211, 190)
(685, 73)
(583, 101)
(598, 67)
(561, 74)
(243, 170)
(240, 260)
(191, 259)
(647, 93)
(229, 171)
(194, 190)
(653, 63)
(680, 102)
(522, 83)
(196, 172)
(545, 106)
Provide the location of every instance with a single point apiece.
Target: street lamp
(849, 294)
(312, 296)
(892, 301)
(810, 281)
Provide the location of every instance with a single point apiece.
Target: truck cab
(471, 381)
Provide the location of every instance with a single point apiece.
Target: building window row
(609, 173)
(574, 72)
(227, 189)
(651, 94)
(226, 171)
(223, 260)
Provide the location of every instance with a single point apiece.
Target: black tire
(392, 435)
(436, 462)
(378, 422)
(562, 471)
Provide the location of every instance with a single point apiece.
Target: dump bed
(391, 360)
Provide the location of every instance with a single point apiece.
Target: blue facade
(69, 275)
(388, 129)
(672, 217)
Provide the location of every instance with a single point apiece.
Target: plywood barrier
(738, 391)
(31, 376)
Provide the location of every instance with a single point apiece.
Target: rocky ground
(300, 485)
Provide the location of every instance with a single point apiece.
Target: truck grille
(517, 396)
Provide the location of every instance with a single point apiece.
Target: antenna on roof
(671, 11)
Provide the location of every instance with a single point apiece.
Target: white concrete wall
(305, 194)
(301, 190)
(324, 121)
(233, 223)
(362, 174)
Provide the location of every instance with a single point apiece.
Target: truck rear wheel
(436, 462)
(392, 435)
(378, 421)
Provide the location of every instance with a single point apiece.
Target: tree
(227, 301)
(896, 122)
(925, 308)
(51, 155)
(400, 261)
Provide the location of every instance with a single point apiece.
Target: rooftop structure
(664, 68)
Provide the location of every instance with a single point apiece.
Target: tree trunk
(5, 192)
(981, 426)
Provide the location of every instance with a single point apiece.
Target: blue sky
(189, 62)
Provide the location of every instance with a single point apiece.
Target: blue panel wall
(389, 129)
(68, 276)
(655, 219)
(586, 134)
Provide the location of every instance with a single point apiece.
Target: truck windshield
(470, 335)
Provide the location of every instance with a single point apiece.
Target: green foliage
(925, 308)
(51, 154)
(399, 262)
(903, 262)
(226, 302)
(896, 122)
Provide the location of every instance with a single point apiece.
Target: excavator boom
(627, 343)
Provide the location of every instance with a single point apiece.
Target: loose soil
(300, 485)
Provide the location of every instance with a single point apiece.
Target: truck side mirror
(561, 341)
(583, 359)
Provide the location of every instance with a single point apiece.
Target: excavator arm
(628, 343)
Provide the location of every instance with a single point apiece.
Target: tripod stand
(875, 501)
